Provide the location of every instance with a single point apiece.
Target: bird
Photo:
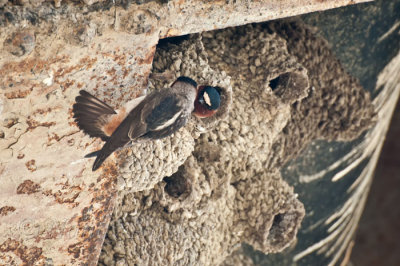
(154, 116)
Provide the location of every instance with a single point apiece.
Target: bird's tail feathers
(101, 157)
(92, 154)
(91, 114)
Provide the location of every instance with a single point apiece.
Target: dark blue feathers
(187, 80)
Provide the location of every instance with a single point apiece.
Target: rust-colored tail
(91, 114)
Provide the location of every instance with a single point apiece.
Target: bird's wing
(157, 116)
(161, 112)
(167, 131)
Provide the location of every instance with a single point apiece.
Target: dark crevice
(177, 184)
(277, 219)
(172, 40)
(273, 83)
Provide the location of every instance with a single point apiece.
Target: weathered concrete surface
(173, 17)
(53, 208)
(61, 207)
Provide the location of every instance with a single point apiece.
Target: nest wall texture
(193, 197)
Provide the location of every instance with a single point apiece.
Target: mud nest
(192, 198)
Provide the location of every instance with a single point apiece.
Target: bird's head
(184, 83)
(207, 101)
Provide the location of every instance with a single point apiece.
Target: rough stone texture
(53, 208)
(61, 207)
(224, 194)
(168, 18)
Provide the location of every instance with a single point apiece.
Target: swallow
(154, 116)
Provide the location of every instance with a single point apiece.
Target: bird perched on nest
(154, 116)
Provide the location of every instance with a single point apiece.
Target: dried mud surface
(287, 89)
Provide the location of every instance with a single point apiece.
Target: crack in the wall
(59, 138)
(17, 139)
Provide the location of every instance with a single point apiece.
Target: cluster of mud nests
(194, 197)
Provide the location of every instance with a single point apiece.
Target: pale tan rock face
(53, 208)
(61, 208)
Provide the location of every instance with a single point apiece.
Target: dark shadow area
(377, 238)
